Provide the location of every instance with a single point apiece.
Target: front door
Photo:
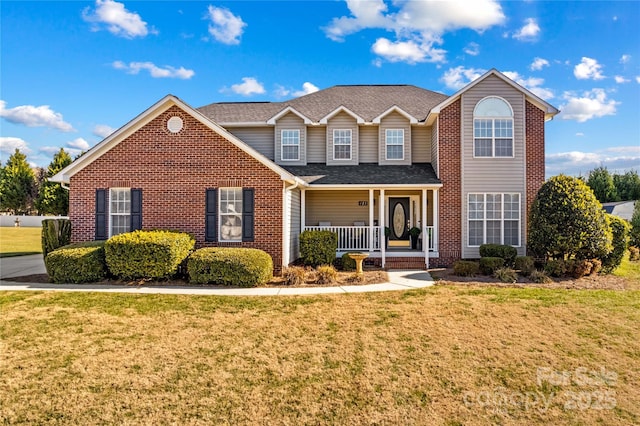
(399, 217)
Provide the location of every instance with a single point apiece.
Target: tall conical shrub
(55, 234)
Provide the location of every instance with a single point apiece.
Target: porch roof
(366, 174)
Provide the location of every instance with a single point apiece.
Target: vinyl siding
(290, 122)
(421, 144)
(342, 121)
(294, 224)
(394, 121)
(316, 144)
(368, 144)
(492, 175)
(434, 147)
(338, 207)
(259, 138)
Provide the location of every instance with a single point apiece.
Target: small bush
(326, 274)
(147, 254)
(56, 233)
(505, 252)
(555, 268)
(294, 275)
(634, 253)
(318, 247)
(525, 264)
(348, 264)
(506, 275)
(466, 268)
(77, 263)
(539, 277)
(596, 266)
(620, 229)
(579, 268)
(243, 267)
(488, 265)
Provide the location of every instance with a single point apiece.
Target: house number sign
(363, 203)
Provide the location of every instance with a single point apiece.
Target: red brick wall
(450, 208)
(173, 171)
(535, 152)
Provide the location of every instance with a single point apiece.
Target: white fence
(352, 237)
(26, 221)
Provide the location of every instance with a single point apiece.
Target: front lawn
(20, 241)
(445, 355)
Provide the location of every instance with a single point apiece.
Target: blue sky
(73, 71)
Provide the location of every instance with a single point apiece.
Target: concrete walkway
(29, 265)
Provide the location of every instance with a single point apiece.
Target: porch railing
(352, 237)
(429, 235)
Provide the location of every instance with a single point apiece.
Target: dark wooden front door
(399, 218)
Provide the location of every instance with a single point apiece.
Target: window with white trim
(290, 141)
(230, 207)
(493, 128)
(119, 211)
(493, 219)
(394, 143)
(342, 144)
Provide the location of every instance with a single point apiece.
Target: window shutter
(247, 214)
(101, 214)
(136, 209)
(211, 215)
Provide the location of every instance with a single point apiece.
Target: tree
(601, 182)
(18, 186)
(53, 198)
(620, 230)
(634, 235)
(567, 221)
(627, 186)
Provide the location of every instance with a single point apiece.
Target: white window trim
(350, 144)
(111, 214)
(502, 219)
(493, 127)
(282, 145)
(221, 215)
(386, 145)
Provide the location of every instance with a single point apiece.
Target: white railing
(352, 237)
(429, 235)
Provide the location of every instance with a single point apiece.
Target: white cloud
(538, 64)
(102, 130)
(533, 84)
(79, 143)
(624, 59)
(458, 77)
(418, 25)
(35, 116)
(638, 79)
(307, 88)
(620, 79)
(248, 87)
(529, 31)
(579, 134)
(49, 150)
(154, 70)
(615, 159)
(225, 26)
(472, 49)
(589, 105)
(117, 19)
(8, 145)
(588, 68)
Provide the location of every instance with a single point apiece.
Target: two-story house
(356, 160)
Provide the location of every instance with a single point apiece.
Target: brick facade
(173, 171)
(534, 134)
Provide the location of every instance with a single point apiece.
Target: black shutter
(136, 209)
(101, 214)
(247, 214)
(211, 215)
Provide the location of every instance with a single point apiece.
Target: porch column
(436, 227)
(371, 231)
(303, 212)
(381, 223)
(425, 235)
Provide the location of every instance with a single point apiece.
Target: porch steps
(405, 263)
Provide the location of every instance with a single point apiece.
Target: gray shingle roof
(365, 174)
(368, 101)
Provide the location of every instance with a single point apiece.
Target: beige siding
(316, 144)
(259, 138)
(420, 144)
(338, 207)
(290, 122)
(294, 224)
(434, 148)
(394, 121)
(484, 175)
(368, 144)
(342, 121)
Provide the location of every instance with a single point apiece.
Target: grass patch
(378, 358)
(628, 269)
(20, 241)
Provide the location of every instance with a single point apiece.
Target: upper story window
(290, 145)
(342, 144)
(493, 128)
(394, 142)
(119, 210)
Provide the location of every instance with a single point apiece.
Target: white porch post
(381, 223)
(303, 212)
(425, 236)
(371, 232)
(436, 228)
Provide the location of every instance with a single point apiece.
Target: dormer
(343, 137)
(394, 136)
(290, 137)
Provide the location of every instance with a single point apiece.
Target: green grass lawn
(20, 241)
(627, 269)
(445, 355)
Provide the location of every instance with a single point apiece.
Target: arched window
(493, 128)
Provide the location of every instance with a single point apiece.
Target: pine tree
(53, 198)
(601, 182)
(18, 185)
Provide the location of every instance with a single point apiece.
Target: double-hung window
(230, 214)
(290, 145)
(394, 142)
(342, 144)
(493, 128)
(119, 210)
(493, 219)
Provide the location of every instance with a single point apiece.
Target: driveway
(19, 266)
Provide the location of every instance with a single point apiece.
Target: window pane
(476, 206)
(394, 152)
(504, 147)
(342, 152)
(482, 148)
(475, 232)
(395, 144)
(290, 153)
(482, 129)
(511, 232)
(494, 206)
(512, 206)
(493, 232)
(230, 214)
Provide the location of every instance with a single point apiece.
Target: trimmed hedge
(525, 265)
(488, 265)
(56, 233)
(243, 267)
(505, 252)
(620, 229)
(147, 254)
(318, 247)
(348, 264)
(77, 263)
(466, 268)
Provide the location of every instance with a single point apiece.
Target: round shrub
(77, 263)
(348, 264)
(488, 265)
(466, 268)
(525, 265)
(326, 274)
(147, 254)
(318, 247)
(620, 229)
(506, 252)
(555, 268)
(294, 275)
(242, 267)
